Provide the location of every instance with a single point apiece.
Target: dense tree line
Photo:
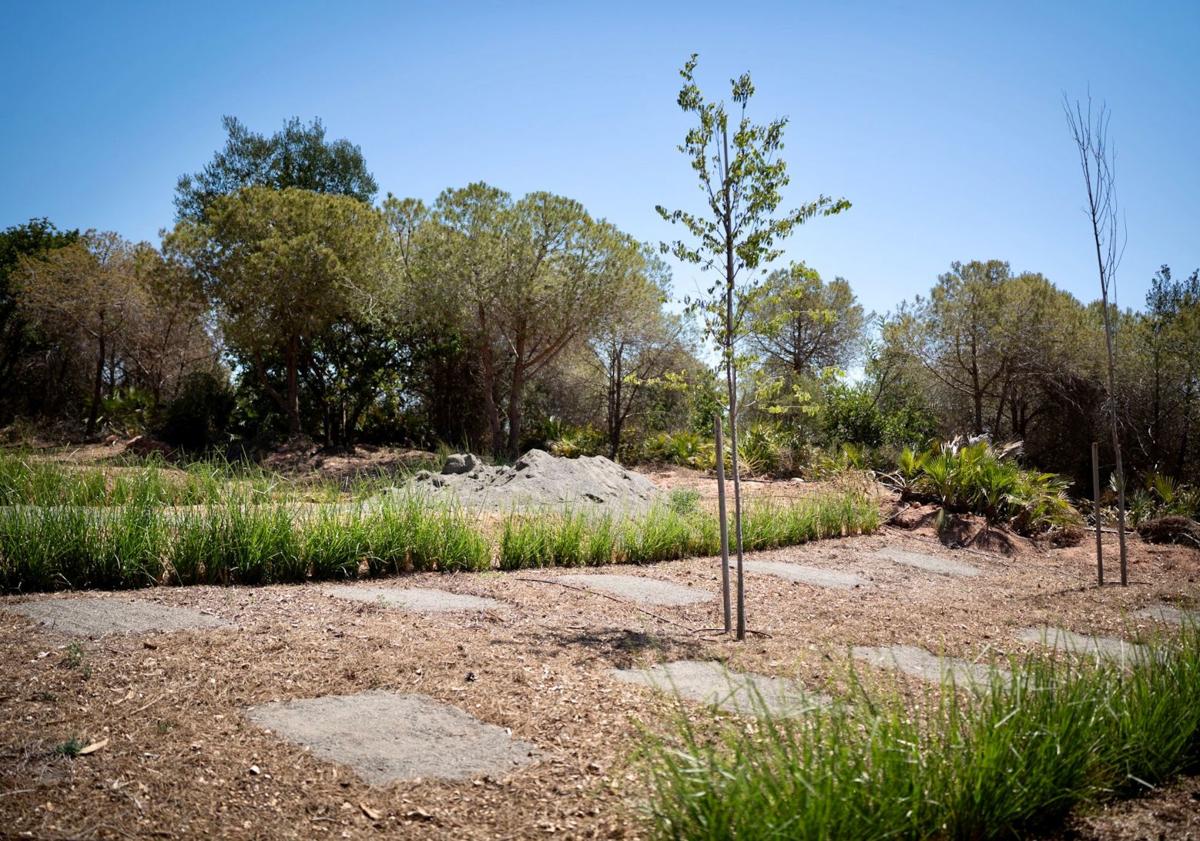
(288, 300)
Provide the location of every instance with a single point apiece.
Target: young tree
(1096, 160)
(737, 232)
(281, 267)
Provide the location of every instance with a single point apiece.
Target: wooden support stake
(724, 526)
(1096, 511)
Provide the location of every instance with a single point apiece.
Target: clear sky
(942, 123)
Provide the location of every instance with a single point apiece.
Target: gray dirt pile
(540, 480)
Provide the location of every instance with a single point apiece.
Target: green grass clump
(55, 548)
(336, 546)
(531, 541)
(1004, 762)
(413, 534)
(237, 543)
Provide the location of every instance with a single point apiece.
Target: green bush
(198, 416)
(975, 478)
(1163, 496)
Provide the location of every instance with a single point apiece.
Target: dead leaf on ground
(93, 747)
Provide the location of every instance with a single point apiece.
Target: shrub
(978, 479)
(198, 416)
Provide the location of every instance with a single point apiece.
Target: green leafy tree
(799, 325)
(521, 280)
(282, 267)
(738, 231)
(637, 351)
(18, 342)
(88, 298)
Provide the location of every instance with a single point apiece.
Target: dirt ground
(182, 760)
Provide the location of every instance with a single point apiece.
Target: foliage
(283, 266)
(522, 279)
(798, 325)
(1008, 760)
(685, 449)
(19, 341)
(298, 156)
(978, 479)
(1164, 496)
(198, 416)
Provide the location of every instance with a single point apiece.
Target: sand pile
(540, 480)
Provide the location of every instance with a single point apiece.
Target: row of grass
(26, 479)
(239, 542)
(668, 533)
(1011, 760)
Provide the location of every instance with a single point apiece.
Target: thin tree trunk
(293, 385)
(97, 386)
(514, 402)
(1096, 512)
(731, 380)
(724, 526)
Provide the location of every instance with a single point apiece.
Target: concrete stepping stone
(1060, 638)
(416, 599)
(930, 563)
(711, 683)
(94, 616)
(807, 575)
(1170, 614)
(634, 588)
(925, 665)
(389, 736)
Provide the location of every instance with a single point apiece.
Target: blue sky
(942, 123)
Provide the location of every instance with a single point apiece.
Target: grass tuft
(1001, 763)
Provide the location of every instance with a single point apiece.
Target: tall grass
(244, 539)
(999, 763)
(675, 531)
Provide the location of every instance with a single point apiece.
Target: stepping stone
(807, 575)
(93, 616)
(637, 589)
(1060, 638)
(389, 736)
(711, 683)
(416, 599)
(925, 665)
(1168, 613)
(930, 563)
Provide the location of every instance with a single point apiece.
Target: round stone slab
(930, 563)
(634, 588)
(807, 575)
(711, 683)
(925, 665)
(416, 599)
(1109, 647)
(96, 616)
(389, 736)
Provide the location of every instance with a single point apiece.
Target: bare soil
(182, 759)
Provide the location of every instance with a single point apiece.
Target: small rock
(459, 463)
